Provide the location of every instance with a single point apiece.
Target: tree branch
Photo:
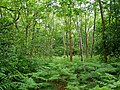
(15, 19)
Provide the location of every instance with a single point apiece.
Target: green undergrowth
(59, 74)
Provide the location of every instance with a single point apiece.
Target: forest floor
(60, 74)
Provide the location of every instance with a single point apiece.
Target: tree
(94, 27)
(103, 32)
(79, 27)
(70, 31)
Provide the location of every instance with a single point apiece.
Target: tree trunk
(1, 13)
(103, 32)
(33, 35)
(26, 28)
(51, 36)
(45, 41)
(92, 51)
(63, 35)
(86, 39)
(67, 53)
(80, 37)
(110, 12)
(70, 41)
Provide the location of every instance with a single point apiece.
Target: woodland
(59, 44)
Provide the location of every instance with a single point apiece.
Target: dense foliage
(59, 45)
(60, 74)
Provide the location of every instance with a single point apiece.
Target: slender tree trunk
(26, 28)
(103, 32)
(116, 13)
(86, 39)
(63, 33)
(70, 42)
(45, 41)
(50, 53)
(110, 12)
(33, 35)
(67, 53)
(70, 35)
(80, 37)
(1, 13)
(86, 44)
(51, 36)
(92, 51)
